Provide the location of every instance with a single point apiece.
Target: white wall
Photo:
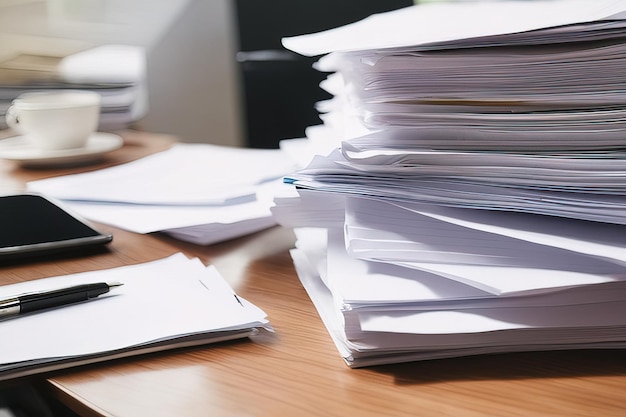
(190, 46)
(193, 77)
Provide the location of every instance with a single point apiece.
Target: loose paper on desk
(163, 304)
(186, 174)
(196, 192)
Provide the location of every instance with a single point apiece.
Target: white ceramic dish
(19, 150)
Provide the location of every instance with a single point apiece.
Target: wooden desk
(298, 371)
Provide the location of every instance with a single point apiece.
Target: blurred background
(206, 71)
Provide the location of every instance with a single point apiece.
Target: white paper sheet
(160, 300)
(197, 193)
(499, 263)
(444, 22)
(186, 174)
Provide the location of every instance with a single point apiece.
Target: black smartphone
(34, 225)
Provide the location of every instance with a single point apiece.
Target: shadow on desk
(510, 366)
(55, 256)
(24, 400)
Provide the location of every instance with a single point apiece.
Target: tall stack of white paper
(473, 198)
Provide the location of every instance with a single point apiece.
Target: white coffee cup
(55, 120)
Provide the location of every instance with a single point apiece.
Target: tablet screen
(32, 224)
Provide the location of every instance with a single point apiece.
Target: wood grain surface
(297, 371)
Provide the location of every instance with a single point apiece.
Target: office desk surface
(298, 371)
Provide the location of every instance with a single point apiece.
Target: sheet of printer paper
(447, 22)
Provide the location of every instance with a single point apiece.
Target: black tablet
(32, 225)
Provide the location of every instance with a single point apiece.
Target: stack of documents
(165, 304)
(198, 193)
(116, 72)
(473, 196)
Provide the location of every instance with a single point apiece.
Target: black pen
(26, 303)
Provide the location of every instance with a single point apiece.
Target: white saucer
(19, 150)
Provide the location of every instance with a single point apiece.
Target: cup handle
(12, 120)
